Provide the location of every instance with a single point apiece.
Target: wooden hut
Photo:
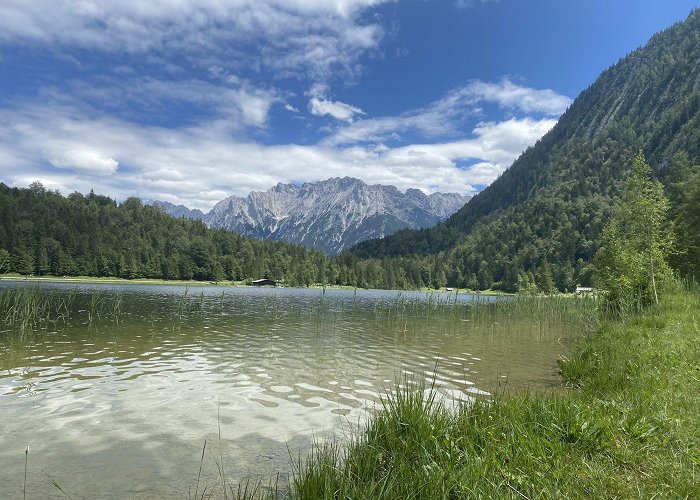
(264, 282)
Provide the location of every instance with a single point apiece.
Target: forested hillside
(543, 217)
(43, 232)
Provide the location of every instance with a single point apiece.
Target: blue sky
(191, 101)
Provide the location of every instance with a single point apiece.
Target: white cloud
(87, 161)
(497, 144)
(336, 109)
(446, 115)
(300, 37)
(510, 95)
(241, 103)
(74, 148)
(465, 4)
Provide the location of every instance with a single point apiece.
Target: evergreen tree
(5, 264)
(631, 263)
(545, 281)
(684, 194)
(526, 285)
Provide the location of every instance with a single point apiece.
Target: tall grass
(631, 429)
(23, 309)
(542, 310)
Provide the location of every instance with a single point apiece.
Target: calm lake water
(120, 406)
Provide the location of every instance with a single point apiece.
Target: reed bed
(482, 310)
(25, 309)
(28, 309)
(630, 429)
(541, 309)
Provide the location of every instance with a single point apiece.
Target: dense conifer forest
(43, 232)
(544, 216)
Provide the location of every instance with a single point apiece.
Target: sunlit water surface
(120, 407)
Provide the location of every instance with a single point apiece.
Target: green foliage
(46, 233)
(630, 429)
(545, 281)
(636, 242)
(4, 261)
(684, 193)
(556, 197)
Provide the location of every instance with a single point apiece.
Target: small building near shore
(580, 290)
(264, 282)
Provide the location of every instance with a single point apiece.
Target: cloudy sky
(191, 101)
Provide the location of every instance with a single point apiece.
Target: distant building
(264, 282)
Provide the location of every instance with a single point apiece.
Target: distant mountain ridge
(177, 211)
(329, 215)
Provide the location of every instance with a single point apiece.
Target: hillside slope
(43, 232)
(549, 207)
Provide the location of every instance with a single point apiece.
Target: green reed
(482, 310)
(628, 428)
(23, 309)
(26, 309)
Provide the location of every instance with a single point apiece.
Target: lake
(118, 400)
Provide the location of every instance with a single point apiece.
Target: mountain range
(329, 215)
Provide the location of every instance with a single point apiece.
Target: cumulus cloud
(321, 105)
(72, 148)
(239, 101)
(87, 161)
(510, 95)
(498, 143)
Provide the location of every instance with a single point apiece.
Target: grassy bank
(95, 279)
(154, 281)
(628, 428)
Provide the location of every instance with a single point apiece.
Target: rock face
(328, 215)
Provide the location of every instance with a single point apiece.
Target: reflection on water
(120, 407)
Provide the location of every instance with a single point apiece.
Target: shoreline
(226, 284)
(112, 280)
(627, 427)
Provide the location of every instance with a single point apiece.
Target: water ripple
(268, 367)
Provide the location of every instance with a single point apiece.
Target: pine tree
(684, 193)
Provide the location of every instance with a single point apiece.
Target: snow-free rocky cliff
(328, 215)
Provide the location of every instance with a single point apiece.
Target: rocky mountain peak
(330, 215)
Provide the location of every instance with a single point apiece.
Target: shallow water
(120, 406)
